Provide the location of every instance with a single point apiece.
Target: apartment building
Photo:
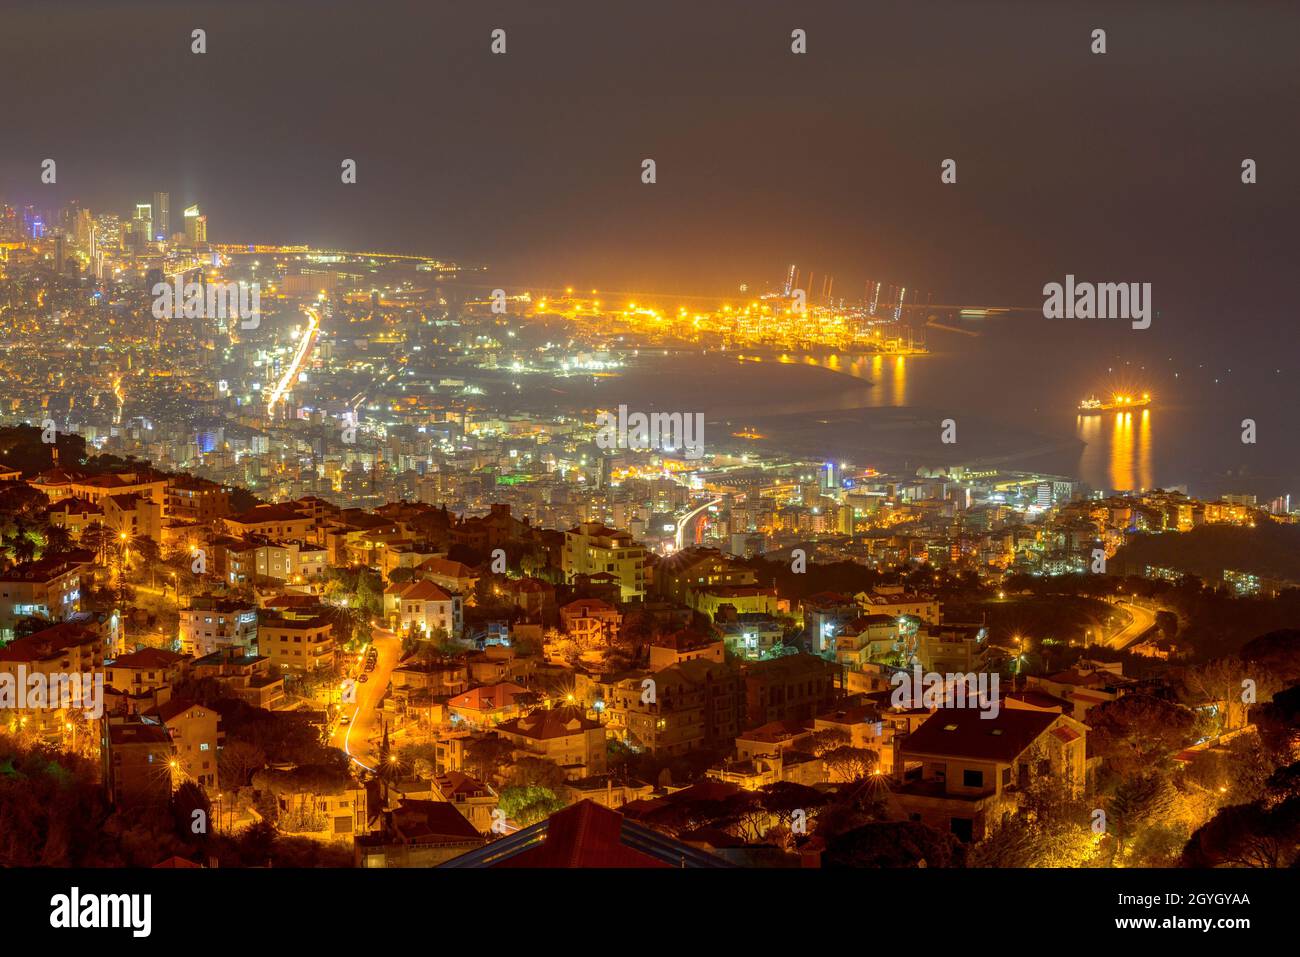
(211, 624)
(591, 548)
(297, 644)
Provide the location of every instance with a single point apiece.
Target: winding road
(1142, 619)
(360, 738)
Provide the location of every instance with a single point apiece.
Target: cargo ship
(1118, 403)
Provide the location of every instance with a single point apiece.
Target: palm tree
(57, 539)
(23, 548)
(98, 539)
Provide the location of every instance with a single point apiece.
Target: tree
(1167, 621)
(1247, 835)
(528, 805)
(1026, 841)
(784, 798)
(237, 761)
(745, 815)
(20, 500)
(100, 540)
(30, 625)
(529, 771)
(191, 812)
(485, 756)
(894, 844)
(257, 843)
(1138, 732)
(1278, 722)
(57, 540)
(148, 550)
(53, 813)
(1283, 785)
(22, 548)
(822, 742)
(1222, 682)
(850, 764)
(422, 759)
(1136, 803)
(1276, 653)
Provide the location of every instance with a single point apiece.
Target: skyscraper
(162, 215)
(196, 226)
(143, 223)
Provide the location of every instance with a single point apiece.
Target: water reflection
(889, 378)
(1118, 450)
(898, 392)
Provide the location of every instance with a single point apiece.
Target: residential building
(49, 588)
(961, 771)
(591, 548)
(211, 624)
(561, 735)
(297, 644)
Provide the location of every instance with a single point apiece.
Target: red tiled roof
(423, 591)
(54, 477)
(707, 790)
(446, 568)
(48, 569)
(174, 707)
(426, 820)
(584, 835)
(555, 723)
(488, 696)
(585, 606)
(260, 514)
(1039, 699)
(149, 658)
(47, 643)
(778, 730)
(456, 782)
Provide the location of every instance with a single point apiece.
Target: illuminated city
(361, 516)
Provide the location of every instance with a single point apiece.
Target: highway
(1143, 618)
(304, 346)
(690, 517)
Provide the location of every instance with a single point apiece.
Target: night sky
(1122, 167)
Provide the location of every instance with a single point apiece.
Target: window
(972, 779)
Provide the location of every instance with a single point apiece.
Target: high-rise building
(84, 229)
(830, 477)
(142, 225)
(108, 233)
(196, 226)
(162, 215)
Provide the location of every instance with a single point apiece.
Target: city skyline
(719, 436)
